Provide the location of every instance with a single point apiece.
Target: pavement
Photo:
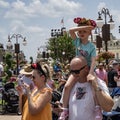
(10, 117)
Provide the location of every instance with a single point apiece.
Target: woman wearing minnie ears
(84, 48)
(37, 106)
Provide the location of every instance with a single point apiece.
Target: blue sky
(34, 19)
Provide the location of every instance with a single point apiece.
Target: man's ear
(87, 69)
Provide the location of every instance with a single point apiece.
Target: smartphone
(25, 80)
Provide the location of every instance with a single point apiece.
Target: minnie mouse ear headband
(84, 23)
(43, 69)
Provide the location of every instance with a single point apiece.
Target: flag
(62, 21)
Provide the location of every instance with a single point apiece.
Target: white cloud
(20, 27)
(101, 5)
(116, 13)
(4, 4)
(52, 8)
(18, 10)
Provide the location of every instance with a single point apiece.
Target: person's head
(40, 74)
(115, 64)
(84, 33)
(85, 27)
(79, 67)
(101, 66)
(26, 70)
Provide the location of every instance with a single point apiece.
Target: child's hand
(90, 77)
(93, 79)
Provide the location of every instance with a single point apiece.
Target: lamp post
(98, 39)
(55, 33)
(105, 26)
(43, 53)
(119, 29)
(16, 46)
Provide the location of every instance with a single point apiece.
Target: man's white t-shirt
(81, 102)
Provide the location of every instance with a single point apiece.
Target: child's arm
(67, 88)
(72, 32)
(92, 67)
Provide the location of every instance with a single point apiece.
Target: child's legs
(67, 89)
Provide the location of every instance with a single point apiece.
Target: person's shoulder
(1, 66)
(114, 71)
(103, 85)
(100, 81)
(47, 89)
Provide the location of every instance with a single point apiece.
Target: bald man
(81, 101)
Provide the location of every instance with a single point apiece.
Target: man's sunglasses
(77, 71)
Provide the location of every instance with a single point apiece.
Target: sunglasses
(77, 71)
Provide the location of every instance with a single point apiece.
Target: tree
(62, 48)
(9, 66)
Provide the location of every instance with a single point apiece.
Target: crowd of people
(36, 85)
(80, 91)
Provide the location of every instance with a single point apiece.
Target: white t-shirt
(81, 102)
(1, 69)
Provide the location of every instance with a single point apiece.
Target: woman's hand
(27, 88)
(19, 90)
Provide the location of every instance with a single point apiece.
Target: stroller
(115, 113)
(56, 96)
(10, 99)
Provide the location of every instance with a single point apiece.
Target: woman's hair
(42, 69)
(46, 69)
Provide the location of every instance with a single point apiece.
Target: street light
(16, 46)
(105, 26)
(43, 53)
(119, 29)
(98, 39)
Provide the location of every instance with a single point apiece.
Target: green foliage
(9, 64)
(62, 48)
